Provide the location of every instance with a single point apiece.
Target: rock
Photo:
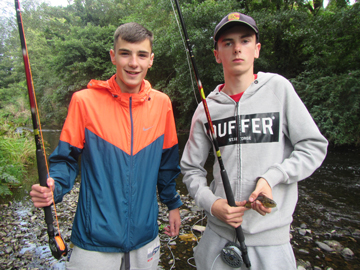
(187, 237)
(302, 263)
(303, 251)
(308, 238)
(199, 228)
(347, 252)
(324, 246)
(302, 231)
(183, 212)
(8, 250)
(333, 244)
(196, 209)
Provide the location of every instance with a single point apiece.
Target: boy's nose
(237, 47)
(133, 62)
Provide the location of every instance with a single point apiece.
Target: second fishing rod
(224, 175)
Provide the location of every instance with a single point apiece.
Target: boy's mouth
(132, 72)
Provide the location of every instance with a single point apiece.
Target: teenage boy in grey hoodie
(268, 142)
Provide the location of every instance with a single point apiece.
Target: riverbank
(317, 245)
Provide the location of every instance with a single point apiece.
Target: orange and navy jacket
(128, 146)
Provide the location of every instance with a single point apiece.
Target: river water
(327, 213)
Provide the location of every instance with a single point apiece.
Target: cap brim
(230, 24)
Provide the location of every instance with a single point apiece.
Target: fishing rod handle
(42, 179)
(227, 188)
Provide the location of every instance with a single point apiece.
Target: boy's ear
(257, 50)
(112, 56)
(151, 60)
(217, 58)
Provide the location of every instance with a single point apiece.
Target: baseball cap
(230, 20)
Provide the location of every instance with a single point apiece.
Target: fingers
(174, 223)
(260, 208)
(41, 196)
(229, 214)
(171, 230)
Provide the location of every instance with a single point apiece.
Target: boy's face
(132, 61)
(236, 50)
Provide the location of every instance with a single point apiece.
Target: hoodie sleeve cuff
(274, 176)
(206, 200)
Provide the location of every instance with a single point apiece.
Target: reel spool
(231, 255)
(58, 247)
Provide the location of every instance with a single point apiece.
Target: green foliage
(7, 181)
(334, 103)
(68, 46)
(14, 104)
(333, 42)
(330, 84)
(16, 152)
(282, 37)
(81, 56)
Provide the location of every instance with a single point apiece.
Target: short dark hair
(133, 32)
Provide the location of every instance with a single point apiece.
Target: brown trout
(267, 202)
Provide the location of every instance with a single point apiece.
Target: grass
(17, 152)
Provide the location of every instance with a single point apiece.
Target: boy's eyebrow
(127, 50)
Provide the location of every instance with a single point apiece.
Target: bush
(334, 102)
(16, 152)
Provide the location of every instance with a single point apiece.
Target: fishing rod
(57, 245)
(224, 175)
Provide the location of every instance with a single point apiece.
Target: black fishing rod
(57, 245)
(224, 175)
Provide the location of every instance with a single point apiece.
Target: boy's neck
(237, 84)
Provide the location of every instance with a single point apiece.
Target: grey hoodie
(269, 133)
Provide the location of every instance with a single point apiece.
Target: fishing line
(168, 239)
(187, 52)
(197, 239)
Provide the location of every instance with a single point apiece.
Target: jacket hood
(114, 89)
(262, 79)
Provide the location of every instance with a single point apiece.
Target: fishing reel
(57, 246)
(231, 255)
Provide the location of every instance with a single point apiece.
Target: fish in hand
(267, 202)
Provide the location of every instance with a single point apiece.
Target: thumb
(51, 183)
(254, 195)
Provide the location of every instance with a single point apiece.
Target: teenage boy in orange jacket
(125, 132)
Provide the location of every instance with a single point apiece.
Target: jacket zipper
(131, 165)
(238, 120)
